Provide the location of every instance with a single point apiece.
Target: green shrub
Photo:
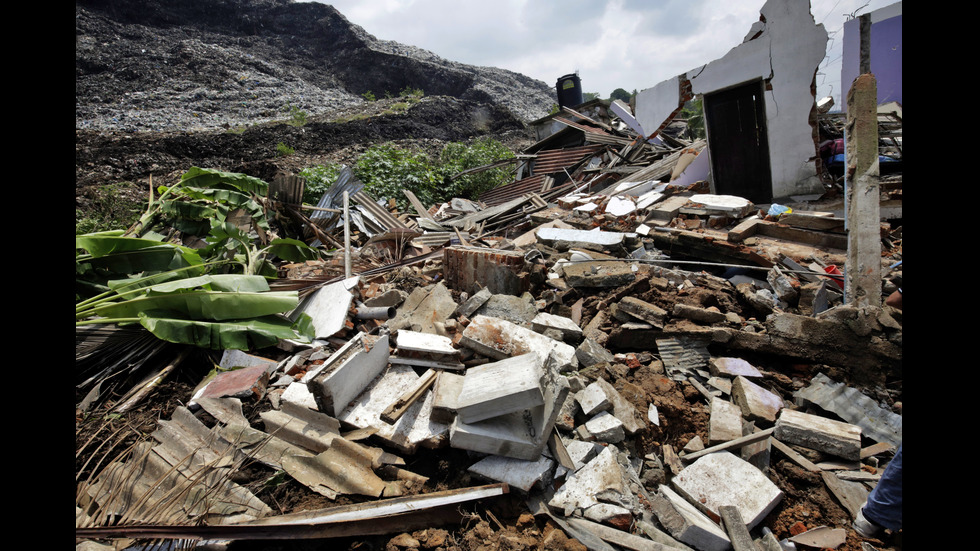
(369, 95)
(319, 178)
(297, 117)
(457, 157)
(283, 150)
(386, 169)
(413, 94)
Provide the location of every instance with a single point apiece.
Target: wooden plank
(875, 449)
(732, 444)
(851, 495)
(735, 527)
(797, 235)
(671, 460)
(394, 412)
(419, 207)
(795, 457)
(809, 221)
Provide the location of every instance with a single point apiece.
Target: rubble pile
(632, 357)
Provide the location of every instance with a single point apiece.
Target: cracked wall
(783, 50)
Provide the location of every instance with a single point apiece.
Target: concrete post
(862, 285)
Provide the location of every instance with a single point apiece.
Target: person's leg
(884, 506)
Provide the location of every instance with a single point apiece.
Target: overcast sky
(629, 44)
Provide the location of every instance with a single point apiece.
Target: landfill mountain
(164, 85)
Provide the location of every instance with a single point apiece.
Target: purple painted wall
(886, 54)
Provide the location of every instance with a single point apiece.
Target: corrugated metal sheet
(683, 356)
(513, 190)
(377, 211)
(550, 162)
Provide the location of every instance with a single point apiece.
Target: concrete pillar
(862, 285)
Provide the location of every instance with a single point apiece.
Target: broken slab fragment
(622, 409)
(247, 383)
(756, 402)
(347, 372)
(425, 310)
(686, 523)
(601, 478)
(593, 399)
(444, 396)
(725, 422)
(605, 427)
(517, 473)
(583, 238)
(502, 387)
(500, 339)
(473, 303)
(722, 478)
(819, 433)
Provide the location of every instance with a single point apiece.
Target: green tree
(386, 169)
(457, 157)
(589, 96)
(620, 94)
(693, 111)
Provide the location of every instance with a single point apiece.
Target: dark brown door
(737, 142)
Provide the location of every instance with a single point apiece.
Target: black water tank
(569, 91)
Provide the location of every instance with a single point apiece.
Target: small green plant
(413, 95)
(369, 95)
(283, 150)
(297, 117)
(400, 107)
(318, 178)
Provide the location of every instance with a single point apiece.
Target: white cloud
(630, 44)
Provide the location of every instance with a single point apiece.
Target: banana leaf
(204, 305)
(158, 258)
(105, 243)
(207, 178)
(244, 334)
(293, 250)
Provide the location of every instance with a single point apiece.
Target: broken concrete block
(699, 315)
(590, 353)
(470, 268)
(755, 402)
(391, 298)
(569, 329)
(501, 339)
(425, 310)
(347, 372)
(445, 392)
(521, 434)
(519, 310)
(819, 433)
(725, 423)
(583, 237)
(622, 409)
(722, 478)
(601, 478)
(414, 428)
(686, 523)
(502, 387)
(593, 400)
(473, 303)
(607, 513)
(598, 274)
(650, 313)
(877, 423)
(236, 358)
(732, 367)
(605, 427)
(515, 472)
(328, 307)
(582, 452)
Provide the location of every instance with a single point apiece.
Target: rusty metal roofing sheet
(550, 162)
(513, 190)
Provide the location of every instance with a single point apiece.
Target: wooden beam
(395, 411)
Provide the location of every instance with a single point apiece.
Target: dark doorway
(738, 143)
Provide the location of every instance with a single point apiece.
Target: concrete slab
(877, 423)
(328, 307)
(347, 372)
(642, 310)
(590, 353)
(517, 473)
(445, 393)
(502, 339)
(569, 329)
(521, 434)
(722, 478)
(473, 303)
(733, 367)
(237, 358)
(582, 452)
(502, 387)
(414, 428)
(819, 433)
(725, 423)
(600, 238)
(755, 402)
(425, 310)
(425, 342)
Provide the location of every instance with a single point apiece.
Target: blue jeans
(884, 506)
